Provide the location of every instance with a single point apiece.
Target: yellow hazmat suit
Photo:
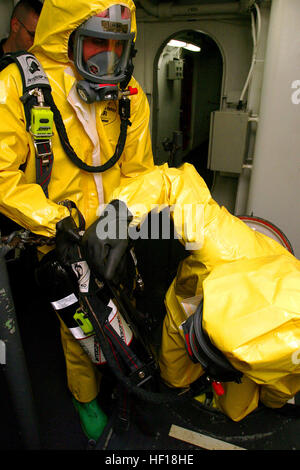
(93, 131)
(250, 286)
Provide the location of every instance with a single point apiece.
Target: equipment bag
(59, 287)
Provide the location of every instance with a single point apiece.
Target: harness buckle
(45, 153)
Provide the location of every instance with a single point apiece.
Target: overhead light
(185, 45)
(176, 43)
(192, 47)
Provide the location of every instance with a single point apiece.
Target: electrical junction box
(228, 140)
(175, 69)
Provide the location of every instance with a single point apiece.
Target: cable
(256, 39)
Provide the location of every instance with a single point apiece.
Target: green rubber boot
(92, 418)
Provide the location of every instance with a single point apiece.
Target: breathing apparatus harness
(41, 112)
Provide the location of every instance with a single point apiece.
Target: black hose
(146, 395)
(64, 140)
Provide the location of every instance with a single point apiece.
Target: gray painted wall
(275, 182)
(6, 7)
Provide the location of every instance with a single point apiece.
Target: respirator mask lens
(103, 44)
(103, 57)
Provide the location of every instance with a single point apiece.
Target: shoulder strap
(33, 77)
(32, 74)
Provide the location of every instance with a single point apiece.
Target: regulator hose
(68, 147)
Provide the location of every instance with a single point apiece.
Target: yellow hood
(59, 18)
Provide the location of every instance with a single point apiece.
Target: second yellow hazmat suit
(93, 131)
(250, 286)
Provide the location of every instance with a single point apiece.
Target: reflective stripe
(2, 352)
(65, 302)
(79, 334)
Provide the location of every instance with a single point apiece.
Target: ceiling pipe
(168, 10)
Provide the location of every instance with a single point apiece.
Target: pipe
(259, 30)
(167, 10)
(14, 367)
(256, 38)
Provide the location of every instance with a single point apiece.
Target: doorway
(188, 83)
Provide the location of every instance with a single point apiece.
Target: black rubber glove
(105, 242)
(67, 241)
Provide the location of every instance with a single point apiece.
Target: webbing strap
(44, 162)
(97, 310)
(124, 351)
